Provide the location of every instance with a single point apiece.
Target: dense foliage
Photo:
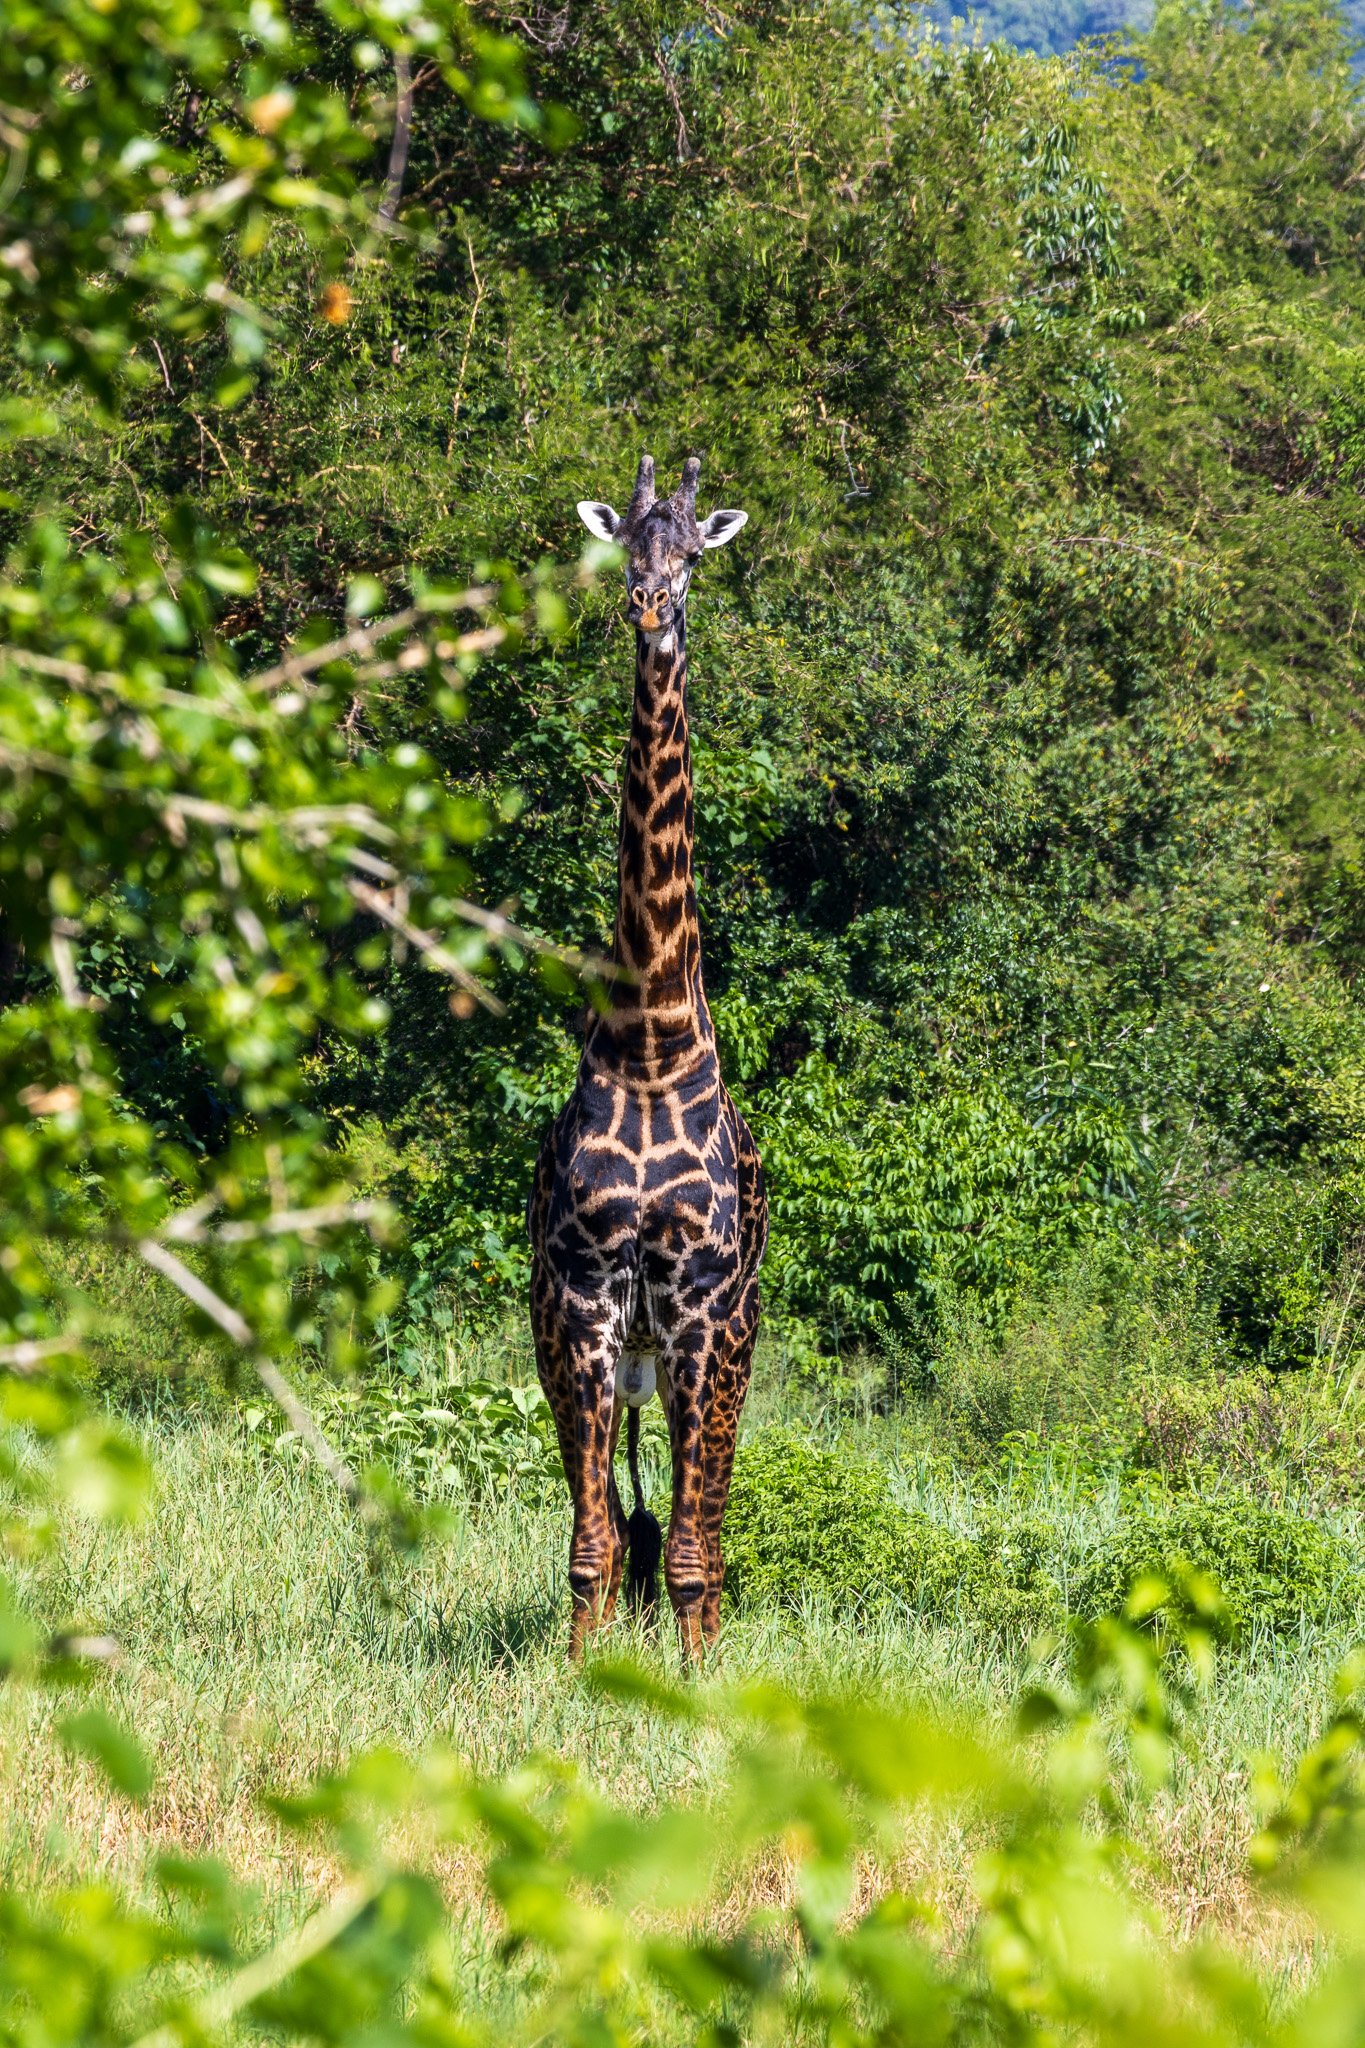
(807, 1523)
(1028, 758)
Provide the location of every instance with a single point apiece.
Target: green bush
(1299, 1433)
(1066, 1370)
(807, 1521)
(1009, 1576)
(1282, 1258)
(823, 1522)
(1276, 1569)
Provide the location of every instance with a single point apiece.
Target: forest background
(1028, 743)
(1028, 723)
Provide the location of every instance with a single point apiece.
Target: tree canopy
(1027, 710)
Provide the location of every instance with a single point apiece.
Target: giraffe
(647, 1215)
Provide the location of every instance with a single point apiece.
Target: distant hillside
(1051, 26)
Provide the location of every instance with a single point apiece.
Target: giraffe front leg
(722, 1428)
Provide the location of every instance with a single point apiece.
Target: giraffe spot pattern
(647, 1215)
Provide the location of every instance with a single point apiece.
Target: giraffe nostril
(638, 595)
(661, 597)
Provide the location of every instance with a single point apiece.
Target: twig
(28, 1357)
(858, 490)
(300, 1945)
(388, 913)
(166, 375)
(479, 640)
(402, 135)
(189, 1226)
(1107, 540)
(299, 1418)
(501, 927)
(82, 678)
(671, 88)
(356, 641)
(458, 399)
(222, 452)
(308, 821)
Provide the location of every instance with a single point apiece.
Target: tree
(180, 831)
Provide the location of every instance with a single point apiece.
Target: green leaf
(364, 597)
(94, 1734)
(231, 572)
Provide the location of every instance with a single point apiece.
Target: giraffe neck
(659, 1022)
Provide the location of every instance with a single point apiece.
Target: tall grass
(261, 1644)
(264, 1640)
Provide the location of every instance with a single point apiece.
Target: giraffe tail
(644, 1538)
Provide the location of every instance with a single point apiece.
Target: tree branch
(402, 135)
(264, 1972)
(388, 913)
(235, 1326)
(27, 1359)
(189, 1226)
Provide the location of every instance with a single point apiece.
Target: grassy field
(262, 1644)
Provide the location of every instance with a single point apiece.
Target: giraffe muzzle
(650, 610)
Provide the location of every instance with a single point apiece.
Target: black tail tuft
(644, 1537)
(645, 1541)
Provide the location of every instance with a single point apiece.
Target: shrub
(808, 1521)
(1066, 1368)
(1009, 1576)
(875, 1200)
(439, 1435)
(1270, 1432)
(804, 1520)
(1283, 1263)
(1276, 1568)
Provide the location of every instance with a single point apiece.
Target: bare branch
(387, 912)
(1109, 540)
(264, 1972)
(458, 399)
(91, 1649)
(235, 1326)
(358, 640)
(107, 682)
(307, 820)
(684, 146)
(501, 927)
(28, 1358)
(383, 870)
(402, 135)
(189, 1226)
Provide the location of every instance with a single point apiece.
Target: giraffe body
(647, 1215)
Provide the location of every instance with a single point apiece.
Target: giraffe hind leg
(694, 1357)
(579, 1391)
(722, 1429)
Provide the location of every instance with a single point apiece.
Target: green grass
(263, 1643)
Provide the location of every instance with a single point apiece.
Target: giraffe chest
(646, 1189)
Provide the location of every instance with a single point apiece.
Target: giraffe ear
(720, 527)
(599, 519)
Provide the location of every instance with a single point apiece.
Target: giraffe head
(663, 540)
